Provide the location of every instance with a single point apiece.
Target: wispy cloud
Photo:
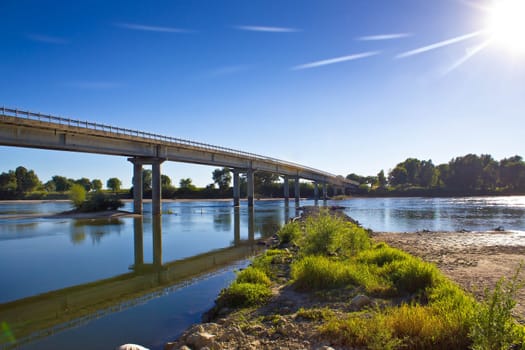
(384, 36)
(440, 44)
(148, 28)
(336, 60)
(267, 29)
(93, 85)
(47, 39)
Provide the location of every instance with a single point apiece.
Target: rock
(326, 347)
(201, 340)
(131, 347)
(184, 347)
(360, 301)
(499, 229)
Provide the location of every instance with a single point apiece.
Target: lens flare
(506, 23)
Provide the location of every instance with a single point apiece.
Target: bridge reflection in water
(43, 315)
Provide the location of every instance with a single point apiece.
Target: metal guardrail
(150, 137)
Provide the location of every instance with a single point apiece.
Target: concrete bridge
(35, 130)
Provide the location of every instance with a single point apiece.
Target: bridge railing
(149, 136)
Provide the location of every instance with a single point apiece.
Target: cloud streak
(47, 39)
(148, 28)
(385, 36)
(440, 44)
(335, 60)
(267, 29)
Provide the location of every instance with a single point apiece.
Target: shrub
(315, 314)
(253, 275)
(410, 275)
(360, 332)
(289, 233)
(319, 272)
(99, 201)
(77, 195)
(326, 234)
(381, 255)
(494, 327)
(240, 294)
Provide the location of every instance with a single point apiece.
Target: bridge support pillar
(316, 191)
(297, 190)
(137, 187)
(156, 188)
(250, 186)
(286, 188)
(236, 189)
(325, 191)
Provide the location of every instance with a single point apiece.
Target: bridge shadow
(43, 315)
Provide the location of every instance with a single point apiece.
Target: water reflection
(37, 317)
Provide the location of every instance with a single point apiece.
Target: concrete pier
(250, 187)
(236, 188)
(316, 191)
(297, 190)
(156, 188)
(286, 187)
(325, 191)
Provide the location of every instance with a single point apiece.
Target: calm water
(145, 280)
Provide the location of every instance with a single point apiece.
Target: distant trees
(96, 185)
(222, 177)
(17, 182)
(114, 184)
(468, 174)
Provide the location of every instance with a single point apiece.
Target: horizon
(341, 87)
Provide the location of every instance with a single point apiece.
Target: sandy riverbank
(474, 260)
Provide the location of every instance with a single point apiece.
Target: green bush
(494, 327)
(77, 195)
(244, 295)
(319, 272)
(381, 255)
(253, 275)
(100, 201)
(410, 275)
(326, 234)
(289, 233)
(315, 314)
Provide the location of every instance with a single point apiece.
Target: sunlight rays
(440, 44)
(149, 28)
(470, 53)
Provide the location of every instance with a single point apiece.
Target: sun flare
(506, 24)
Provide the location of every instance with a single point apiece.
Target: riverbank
(300, 317)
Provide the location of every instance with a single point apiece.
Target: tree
(96, 185)
(186, 184)
(26, 181)
(512, 172)
(147, 176)
(62, 184)
(8, 183)
(114, 184)
(381, 179)
(84, 182)
(426, 173)
(398, 176)
(77, 194)
(222, 177)
(165, 181)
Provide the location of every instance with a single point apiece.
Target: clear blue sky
(334, 84)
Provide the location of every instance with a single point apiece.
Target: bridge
(35, 130)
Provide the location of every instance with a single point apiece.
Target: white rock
(131, 347)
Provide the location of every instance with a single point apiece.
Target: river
(96, 284)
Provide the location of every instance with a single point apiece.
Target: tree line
(465, 175)
(22, 183)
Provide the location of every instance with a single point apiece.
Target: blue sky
(332, 84)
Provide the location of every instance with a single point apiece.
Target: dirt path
(474, 260)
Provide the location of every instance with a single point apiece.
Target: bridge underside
(20, 132)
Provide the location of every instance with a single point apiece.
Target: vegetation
(466, 175)
(415, 306)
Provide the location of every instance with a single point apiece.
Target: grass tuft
(253, 275)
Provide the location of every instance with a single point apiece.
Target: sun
(506, 24)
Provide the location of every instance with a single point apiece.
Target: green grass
(329, 235)
(253, 275)
(289, 233)
(241, 294)
(315, 314)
